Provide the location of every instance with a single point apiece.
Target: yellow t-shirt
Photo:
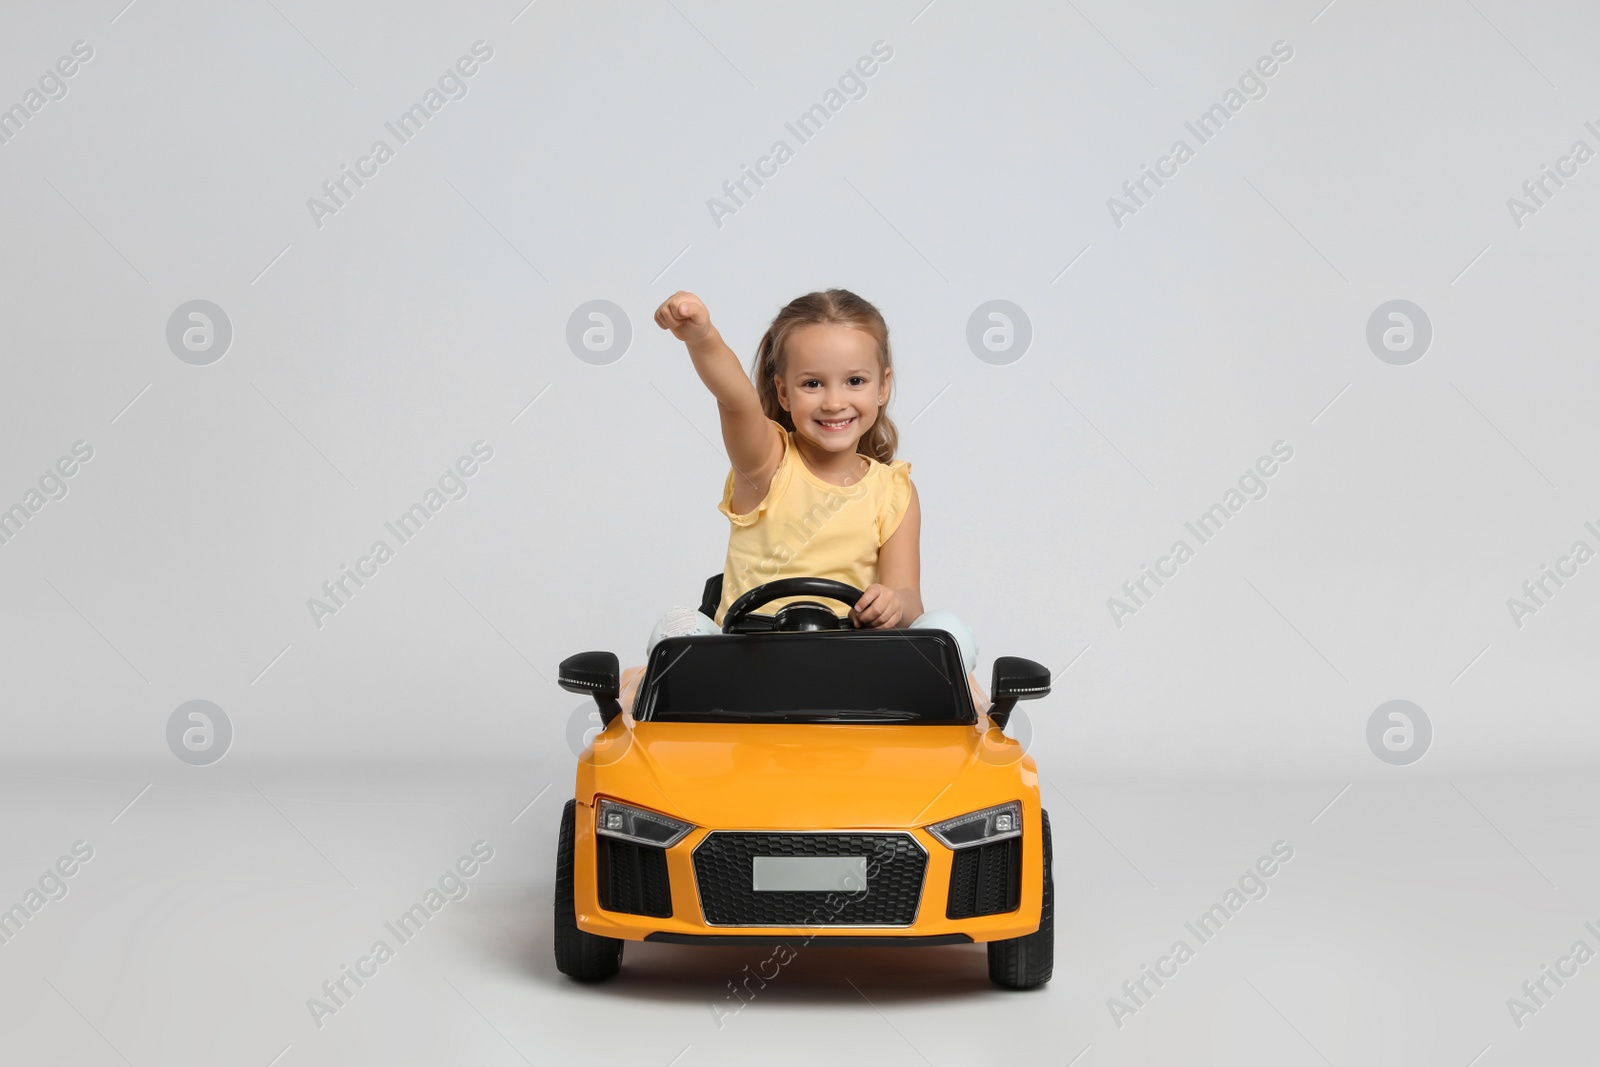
(807, 527)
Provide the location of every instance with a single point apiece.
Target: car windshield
(885, 676)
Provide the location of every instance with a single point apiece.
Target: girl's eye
(858, 380)
(809, 382)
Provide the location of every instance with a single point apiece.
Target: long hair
(844, 308)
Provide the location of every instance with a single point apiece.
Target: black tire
(579, 954)
(1026, 962)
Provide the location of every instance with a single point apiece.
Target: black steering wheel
(801, 615)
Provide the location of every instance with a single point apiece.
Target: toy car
(796, 779)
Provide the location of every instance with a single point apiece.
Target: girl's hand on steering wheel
(879, 608)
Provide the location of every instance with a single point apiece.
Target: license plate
(847, 874)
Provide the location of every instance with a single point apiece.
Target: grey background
(978, 163)
(1167, 355)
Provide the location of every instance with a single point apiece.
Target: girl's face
(832, 386)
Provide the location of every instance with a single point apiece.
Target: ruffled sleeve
(780, 481)
(897, 500)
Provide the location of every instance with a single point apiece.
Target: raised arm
(753, 445)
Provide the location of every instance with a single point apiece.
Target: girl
(814, 488)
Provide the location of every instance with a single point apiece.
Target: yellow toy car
(795, 779)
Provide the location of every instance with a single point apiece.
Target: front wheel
(580, 954)
(1027, 961)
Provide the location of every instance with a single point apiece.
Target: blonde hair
(836, 306)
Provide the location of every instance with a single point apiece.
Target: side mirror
(1016, 679)
(595, 674)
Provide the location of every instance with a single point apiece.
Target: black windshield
(883, 676)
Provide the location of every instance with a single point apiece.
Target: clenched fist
(685, 315)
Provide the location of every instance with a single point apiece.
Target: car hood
(791, 776)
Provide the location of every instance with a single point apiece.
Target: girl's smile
(833, 388)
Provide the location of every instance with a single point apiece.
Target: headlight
(637, 825)
(980, 827)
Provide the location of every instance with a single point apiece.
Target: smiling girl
(814, 488)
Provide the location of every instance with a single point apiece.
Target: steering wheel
(801, 615)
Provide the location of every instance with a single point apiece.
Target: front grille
(896, 865)
(985, 879)
(632, 878)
